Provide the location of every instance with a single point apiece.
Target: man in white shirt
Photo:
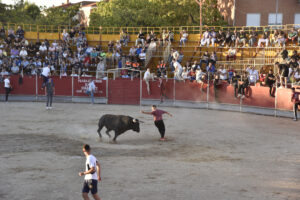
(91, 89)
(178, 70)
(184, 38)
(7, 87)
(92, 174)
(223, 73)
(45, 74)
(23, 53)
(147, 77)
(253, 74)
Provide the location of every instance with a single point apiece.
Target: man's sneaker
(243, 97)
(162, 139)
(295, 119)
(47, 108)
(239, 95)
(50, 108)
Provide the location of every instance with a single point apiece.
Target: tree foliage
(155, 13)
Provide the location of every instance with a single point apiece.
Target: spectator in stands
(234, 36)
(241, 38)
(270, 82)
(264, 39)
(281, 39)
(292, 36)
(140, 38)
(297, 75)
(43, 49)
(195, 66)
(206, 38)
(14, 52)
(20, 33)
(171, 36)
(252, 38)
(252, 74)
(228, 40)
(205, 58)
(15, 69)
(191, 75)
(164, 37)
(213, 37)
(124, 38)
(132, 52)
(65, 36)
(296, 101)
(142, 57)
(213, 58)
(243, 85)
(200, 77)
(295, 55)
(231, 54)
(221, 37)
(185, 73)
(184, 38)
(3, 33)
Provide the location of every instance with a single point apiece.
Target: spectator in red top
(158, 120)
(296, 102)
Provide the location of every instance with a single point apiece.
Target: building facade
(260, 12)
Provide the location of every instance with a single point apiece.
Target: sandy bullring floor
(210, 155)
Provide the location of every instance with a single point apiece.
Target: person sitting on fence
(205, 38)
(210, 69)
(292, 36)
(164, 36)
(171, 36)
(161, 69)
(147, 77)
(264, 39)
(244, 84)
(270, 82)
(184, 38)
(177, 70)
(140, 38)
(228, 40)
(234, 36)
(195, 66)
(223, 73)
(252, 38)
(297, 75)
(253, 74)
(234, 81)
(231, 54)
(283, 73)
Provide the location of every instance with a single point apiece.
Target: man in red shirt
(296, 101)
(158, 120)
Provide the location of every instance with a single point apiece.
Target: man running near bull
(158, 120)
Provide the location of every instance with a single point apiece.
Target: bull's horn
(134, 120)
(141, 122)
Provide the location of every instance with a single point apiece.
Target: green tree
(154, 13)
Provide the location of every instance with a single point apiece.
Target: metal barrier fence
(167, 92)
(135, 30)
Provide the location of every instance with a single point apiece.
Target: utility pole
(200, 2)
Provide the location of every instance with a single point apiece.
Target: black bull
(119, 124)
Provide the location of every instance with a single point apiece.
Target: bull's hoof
(100, 139)
(113, 142)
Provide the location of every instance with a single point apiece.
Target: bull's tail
(100, 126)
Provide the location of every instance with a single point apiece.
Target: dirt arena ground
(210, 155)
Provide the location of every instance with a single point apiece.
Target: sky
(47, 3)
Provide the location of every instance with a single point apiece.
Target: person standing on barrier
(147, 78)
(270, 81)
(296, 101)
(45, 74)
(91, 90)
(243, 85)
(92, 174)
(50, 91)
(7, 87)
(158, 120)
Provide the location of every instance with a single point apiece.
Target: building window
(297, 20)
(275, 19)
(253, 19)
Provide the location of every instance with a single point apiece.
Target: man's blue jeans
(91, 93)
